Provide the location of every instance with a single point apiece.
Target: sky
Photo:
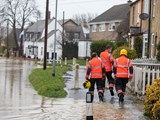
(72, 7)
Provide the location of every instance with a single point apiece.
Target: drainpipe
(149, 30)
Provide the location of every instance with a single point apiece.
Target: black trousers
(98, 82)
(120, 84)
(109, 77)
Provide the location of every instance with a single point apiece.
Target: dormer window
(111, 27)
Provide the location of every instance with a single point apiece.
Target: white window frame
(111, 27)
(146, 6)
(153, 8)
(94, 28)
(102, 27)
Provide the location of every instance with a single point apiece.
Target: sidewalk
(110, 109)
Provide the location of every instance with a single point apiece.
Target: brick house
(140, 27)
(105, 25)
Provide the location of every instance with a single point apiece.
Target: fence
(144, 74)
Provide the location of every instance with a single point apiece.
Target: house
(84, 43)
(145, 28)
(72, 35)
(33, 45)
(105, 25)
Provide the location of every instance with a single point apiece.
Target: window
(146, 6)
(41, 50)
(94, 28)
(139, 12)
(153, 8)
(101, 27)
(111, 27)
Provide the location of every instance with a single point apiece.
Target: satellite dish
(143, 16)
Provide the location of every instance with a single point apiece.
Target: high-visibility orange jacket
(95, 68)
(123, 67)
(107, 60)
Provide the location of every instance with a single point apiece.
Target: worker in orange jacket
(95, 73)
(123, 71)
(107, 60)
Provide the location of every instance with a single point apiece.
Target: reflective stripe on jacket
(95, 65)
(107, 59)
(122, 65)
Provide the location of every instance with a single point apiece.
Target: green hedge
(158, 53)
(138, 43)
(100, 45)
(131, 53)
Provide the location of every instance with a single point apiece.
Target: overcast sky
(72, 7)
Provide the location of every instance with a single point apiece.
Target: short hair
(94, 54)
(108, 46)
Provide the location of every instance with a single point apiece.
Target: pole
(46, 35)
(149, 29)
(89, 106)
(63, 37)
(7, 55)
(54, 58)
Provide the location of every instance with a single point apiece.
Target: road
(19, 101)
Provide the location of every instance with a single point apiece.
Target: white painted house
(85, 43)
(33, 45)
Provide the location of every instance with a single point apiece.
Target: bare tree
(18, 13)
(80, 17)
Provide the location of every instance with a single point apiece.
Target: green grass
(47, 85)
(78, 61)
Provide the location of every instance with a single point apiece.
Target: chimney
(85, 23)
(129, 1)
(49, 15)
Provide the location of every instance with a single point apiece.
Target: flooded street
(19, 101)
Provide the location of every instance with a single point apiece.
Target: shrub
(152, 102)
(2, 48)
(131, 53)
(99, 46)
(158, 54)
(138, 43)
(120, 43)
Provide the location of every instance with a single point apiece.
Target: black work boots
(101, 97)
(111, 91)
(121, 97)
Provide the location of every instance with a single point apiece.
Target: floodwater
(19, 101)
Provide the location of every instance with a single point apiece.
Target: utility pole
(149, 30)
(55, 29)
(46, 35)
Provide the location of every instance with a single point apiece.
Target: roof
(65, 21)
(134, 2)
(117, 12)
(38, 26)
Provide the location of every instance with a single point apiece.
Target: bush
(152, 102)
(99, 46)
(138, 43)
(158, 54)
(131, 53)
(120, 43)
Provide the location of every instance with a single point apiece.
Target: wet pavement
(19, 101)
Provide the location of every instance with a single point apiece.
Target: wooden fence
(144, 74)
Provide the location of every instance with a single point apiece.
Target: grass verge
(47, 85)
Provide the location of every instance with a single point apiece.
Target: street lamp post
(55, 29)
(7, 55)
